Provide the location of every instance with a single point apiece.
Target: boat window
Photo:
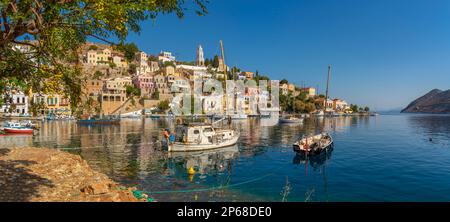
(207, 130)
(196, 131)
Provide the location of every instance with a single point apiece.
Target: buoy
(191, 171)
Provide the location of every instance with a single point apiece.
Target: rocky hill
(435, 101)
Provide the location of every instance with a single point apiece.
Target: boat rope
(95, 147)
(210, 188)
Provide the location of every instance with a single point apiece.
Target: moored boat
(314, 144)
(199, 136)
(14, 127)
(291, 119)
(99, 121)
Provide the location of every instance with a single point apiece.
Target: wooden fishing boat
(14, 127)
(199, 136)
(314, 144)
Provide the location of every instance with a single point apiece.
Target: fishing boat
(199, 136)
(291, 119)
(99, 121)
(314, 144)
(15, 127)
(132, 115)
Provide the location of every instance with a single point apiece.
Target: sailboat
(201, 136)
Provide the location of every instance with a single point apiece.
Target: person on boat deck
(168, 137)
(229, 120)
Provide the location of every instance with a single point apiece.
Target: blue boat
(99, 121)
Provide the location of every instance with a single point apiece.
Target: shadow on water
(17, 183)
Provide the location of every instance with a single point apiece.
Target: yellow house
(169, 70)
(56, 104)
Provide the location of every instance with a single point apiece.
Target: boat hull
(291, 120)
(22, 131)
(327, 147)
(299, 146)
(99, 122)
(181, 147)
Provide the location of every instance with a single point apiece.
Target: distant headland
(435, 101)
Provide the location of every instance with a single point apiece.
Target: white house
(15, 104)
(166, 57)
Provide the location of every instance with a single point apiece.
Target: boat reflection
(207, 162)
(318, 163)
(315, 161)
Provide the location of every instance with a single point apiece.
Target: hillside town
(118, 81)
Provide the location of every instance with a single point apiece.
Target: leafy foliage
(39, 40)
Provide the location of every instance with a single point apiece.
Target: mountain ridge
(436, 101)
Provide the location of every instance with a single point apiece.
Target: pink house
(143, 81)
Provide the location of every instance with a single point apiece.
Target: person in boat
(229, 121)
(168, 137)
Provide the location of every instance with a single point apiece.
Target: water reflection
(318, 163)
(208, 162)
(434, 129)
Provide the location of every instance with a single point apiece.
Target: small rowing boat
(314, 144)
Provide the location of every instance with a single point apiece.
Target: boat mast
(328, 82)
(224, 67)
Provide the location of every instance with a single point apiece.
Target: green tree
(132, 91)
(98, 75)
(152, 58)
(169, 63)
(215, 62)
(354, 108)
(163, 105)
(129, 50)
(155, 94)
(93, 47)
(366, 109)
(51, 33)
(284, 81)
(207, 62)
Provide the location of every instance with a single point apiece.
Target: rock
(42, 175)
(96, 188)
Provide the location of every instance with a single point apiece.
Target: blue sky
(384, 53)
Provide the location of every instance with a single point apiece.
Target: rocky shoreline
(49, 175)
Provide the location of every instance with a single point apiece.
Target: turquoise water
(381, 158)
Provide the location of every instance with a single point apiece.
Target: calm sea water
(382, 158)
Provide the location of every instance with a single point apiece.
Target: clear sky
(384, 53)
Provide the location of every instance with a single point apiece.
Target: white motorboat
(314, 144)
(200, 136)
